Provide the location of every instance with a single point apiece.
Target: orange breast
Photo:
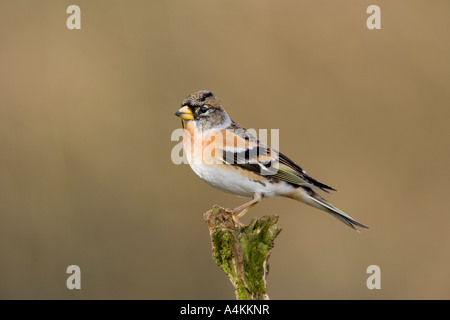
(198, 147)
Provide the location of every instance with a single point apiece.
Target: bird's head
(204, 110)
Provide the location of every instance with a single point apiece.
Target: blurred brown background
(86, 118)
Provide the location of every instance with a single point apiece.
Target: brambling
(231, 159)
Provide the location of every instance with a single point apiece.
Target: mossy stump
(243, 253)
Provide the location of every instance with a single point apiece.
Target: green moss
(223, 242)
(224, 256)
(255, 241)
(242, 293)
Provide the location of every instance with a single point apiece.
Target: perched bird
(231, 159)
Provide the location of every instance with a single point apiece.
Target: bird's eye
(203, 109)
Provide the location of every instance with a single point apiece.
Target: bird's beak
(185, 113)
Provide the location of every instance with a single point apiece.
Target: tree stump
(243, 253)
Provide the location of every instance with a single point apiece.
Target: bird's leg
(243, 209)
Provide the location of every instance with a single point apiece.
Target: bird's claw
(238, 224)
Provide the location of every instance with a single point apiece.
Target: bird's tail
(311, 198)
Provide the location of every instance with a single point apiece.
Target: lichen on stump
(243, 253)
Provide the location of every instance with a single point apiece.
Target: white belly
(232, 181)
